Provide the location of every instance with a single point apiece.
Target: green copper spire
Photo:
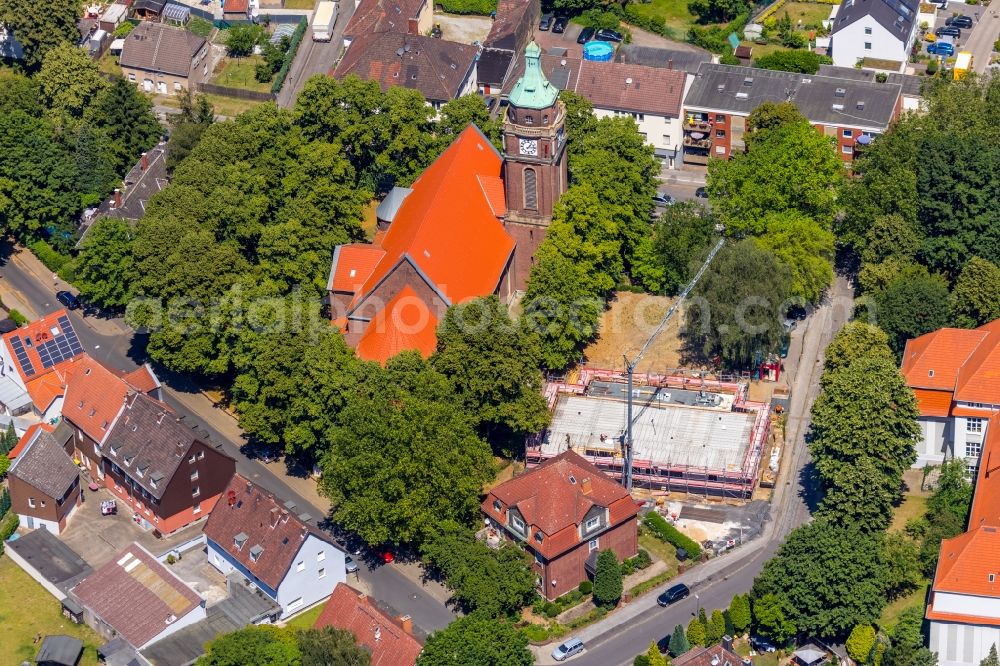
(533, 90)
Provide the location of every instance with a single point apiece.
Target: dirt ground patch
(626, 325)
(463, 29)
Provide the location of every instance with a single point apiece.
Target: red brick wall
(528, 237)
(568, 571)
(721, 123)
(20, 492)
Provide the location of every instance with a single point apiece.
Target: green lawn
(891, 613)
(299, 4)
(660, 550)
(307, 619)
(674, 12)
(805, 13)
(761, 50)
(27, 610)
(224, 106)
(109, 64)
(239, 73)
(912, 507)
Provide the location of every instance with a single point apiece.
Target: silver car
(570, 648)
(350, 564)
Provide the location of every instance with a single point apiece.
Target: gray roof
(910, 83)
(117, 652)
(155, 47)
(11, 395)
(896, 16)
(59, 650)
(56, 562)
(822, 99)
(140, 184)
(494, 64)
(390, 205)
(43, 464)
(651, 56)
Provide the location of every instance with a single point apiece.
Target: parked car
(546, 22)
(585, 36)
(942, 49)
(761, 644)
(436, 31)
(350, 565)
(701, 193)
(69, 299)
(570, 648)
(663, 199)
(949, 31)
(673, 594)
(960, 21)
(609, 35)
(559, 25)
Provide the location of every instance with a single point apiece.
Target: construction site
(692, 435)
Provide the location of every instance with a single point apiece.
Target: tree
(804, 62)
(770, 116)
(653, 656)
(739, 612)
(476, 640)
(860, 642)
(902, 557)
(40, 31)
(790, 167)
(991, 659)
(718, 11)
(805, 247)
(890, 236)
(680, 240)
(738, 307)
(493, 363)
(975, 298)
(913, 304)
(580, 120)
(402, 461)
(716, 627)
(260, 645)
(947, 511)
(69, 80)
(330, 646)
(495, 582)
(241, 38)
(607, 580)
(124, 118)
(863, 437)
(854, 341)
(105, 268)
(824, 580)
(679, 641)
(459, 113)
(696, 633)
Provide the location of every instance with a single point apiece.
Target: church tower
(534, 152)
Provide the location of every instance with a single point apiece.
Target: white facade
(937, 441)
(943, 438)
(962, 644)
(32, 523)
(662, 132)
(866, 38)
(196, 615)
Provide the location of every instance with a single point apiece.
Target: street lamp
(698, 601)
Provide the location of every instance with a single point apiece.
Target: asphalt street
(387, 583)
(315, 57)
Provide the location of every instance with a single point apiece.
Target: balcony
(491, 536)
(699, 140)
(695, 125)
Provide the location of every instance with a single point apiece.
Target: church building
(468, 227)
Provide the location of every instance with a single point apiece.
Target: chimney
(670, 65)
(727, 643)
(412, 27)
(406, 622)
(275, 517)
(144, 161)
(117, 203)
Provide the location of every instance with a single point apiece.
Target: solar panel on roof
(22, 357)
(60, 347)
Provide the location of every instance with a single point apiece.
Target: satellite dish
(628, 81)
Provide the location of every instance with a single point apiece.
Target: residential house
(720, 654)
(236, 10)
(722, 97)
(291, 561)
(33, 364)
(44, 483)
(371, 17)
(389, 641)
(687, 61)
(879, 33)
(163, 59)
(147, 177)
(493, 70)
(137, 598)
(564, 512)
(167, 475)
(911, 84)
(440, 70)
(963, 608)
(955, 374)
(113, 16)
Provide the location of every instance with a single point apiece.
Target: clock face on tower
(529, 147)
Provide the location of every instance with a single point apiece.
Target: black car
(545, 23)
(559, 25)
(585, 36)
(609, 35)
(701, 193)
(69, 299)
(949, 31)
(960, 21)
(673, 594)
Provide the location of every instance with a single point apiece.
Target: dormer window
(255, 552)
(239, 540)
(539, 537)
(114, 450)
(128, 460)
(592, 524)
(516, 522)
(497, 506)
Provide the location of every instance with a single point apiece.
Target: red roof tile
(377, 16)
(46, 388)
(932, 361)
(933, 403)
(555, 496)
(23, 343)
(94, 397)
(233, 6)
(352, 265)
(636, 88)
(388, 643)
(404, 323)
(247, 508)
(141, 379)
(933, 614)
(136, 595)
(967, 561)
(708, 656)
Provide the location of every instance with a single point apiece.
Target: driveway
(315, 57)
(984, 33)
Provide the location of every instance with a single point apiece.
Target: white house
(876, 29)
(292, 562)
(955, 375)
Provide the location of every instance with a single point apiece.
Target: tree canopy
(40, 31)
(477, 640)
(854, 341)
(975, 298)
(260, 645)
(607, 580)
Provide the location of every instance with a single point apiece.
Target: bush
(640, 660)
(607, 580)
(52, 259)
(480, 7)
(7, 527)
(642, 559)
(293, 46)
(860, 642)
(664, 531)
(627, 568)
(729, 59)
(550, 610)
(932, 67)
(598, 20)
(18, 318)
(262, 72)
(586, 587)
(123, 30)
(200, 26)
(171, 559)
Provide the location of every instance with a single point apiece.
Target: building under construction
(690, 435)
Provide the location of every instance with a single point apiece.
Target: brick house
(162, 59)
(374, 17)
(564, 512)
(390, 641)
(720, 654)
(294, 563)
(722, 97)
(44, 483)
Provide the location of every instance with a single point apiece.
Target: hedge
(293, 46)
(655, 24)
(664, 531)
(53, 260)
(8, 527)
(480, 7)
(17, 317)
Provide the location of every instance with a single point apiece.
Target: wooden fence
(240, 93)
